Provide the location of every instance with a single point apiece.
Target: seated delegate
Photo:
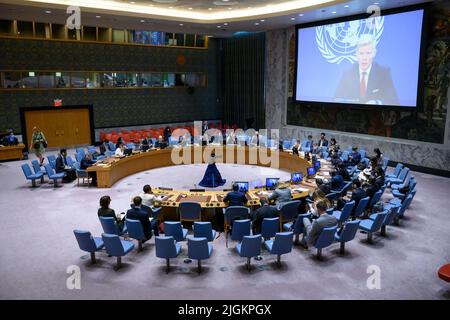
(106, 211)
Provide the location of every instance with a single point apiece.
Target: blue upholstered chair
(204, 229)
(111, 146)
(81, 174)
(174, 229)
(136, 231)
(70, 161)
(109, 154)
(116, 247)
(281, 245)
(81, 151)
(29, 175)
(325, 239)
(37, 169)
(344, 189)
(396, 172)
(345, 213)
(79, 157)
(400, 179)
(249, 247)
(52, 160)
(109, 226)
(199, 249)
(288, 211)
(190, 211)
(385, 163)
(376, 197)
(297, 226)
(270, 227)
(347, 234)
(240, 229)
(388, 219)
(234, 212)
(88, 243)
(372, 225)
(361, 207)
(286, 145)
(167, 248)
(401, 212)
(52, 175)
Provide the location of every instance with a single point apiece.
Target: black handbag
(44, 143)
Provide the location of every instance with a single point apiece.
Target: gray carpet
(38, 246)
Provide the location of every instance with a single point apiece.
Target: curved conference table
(111, 170)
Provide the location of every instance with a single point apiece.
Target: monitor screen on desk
(272, 183)
(296, 177)
(311, 171)
(128, 151)
(317, 165)
(242, 185)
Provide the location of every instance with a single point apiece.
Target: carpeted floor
(38, 246)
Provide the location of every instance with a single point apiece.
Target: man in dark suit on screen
(367, 82)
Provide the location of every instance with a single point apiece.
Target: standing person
(212, 177)
(379, 156)
(323, 142)
(167, 134)
(39, 144)
(297, 146)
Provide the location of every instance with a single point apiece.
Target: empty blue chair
(112, 146)
(281, 245)
(70, 161)
(344, 156)
(79, 157)
(231, 213)
(372, 225)
(376, 198)
(347, 234)
(136, 231)
(270, 227)
(116, 247)
(297, 226)
(167, 248)
(52, 160)
(88, 243)
(37, 169)
(52, 175)
(345, 213)
(175, 230)
(286, 144)
(109, 154)
(396, 172)
(29, 175)
(240, 229)
(81, 174)
(199, 249)
(204, 230)
(401, 211)
(288, 211)
(385, 163)
(325, 239)
(190, 211)
(249, 247)
(81, 151)
(109, 226)
(361, 207)
(389, 218)
(400, 179)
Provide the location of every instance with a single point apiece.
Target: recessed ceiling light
(230, 8)
(210, 9)
(98, 17)
(181, 24)
(48, 11)
(225, 24)
(219, 26)
(132, 2)
(256, 23)
(301, 15)
(334, 12)
(249, 7)
(190, 8)
(292, 18)
(262, 20)
(170, 7)
(142, 20)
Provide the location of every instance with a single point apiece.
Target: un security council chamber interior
(225, 150)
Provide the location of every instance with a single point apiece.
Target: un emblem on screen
(338, 42)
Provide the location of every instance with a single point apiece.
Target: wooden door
(61, 127)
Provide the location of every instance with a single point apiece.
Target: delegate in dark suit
(137, 213)
(235, 198)
(380, 87)
(258, 216)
